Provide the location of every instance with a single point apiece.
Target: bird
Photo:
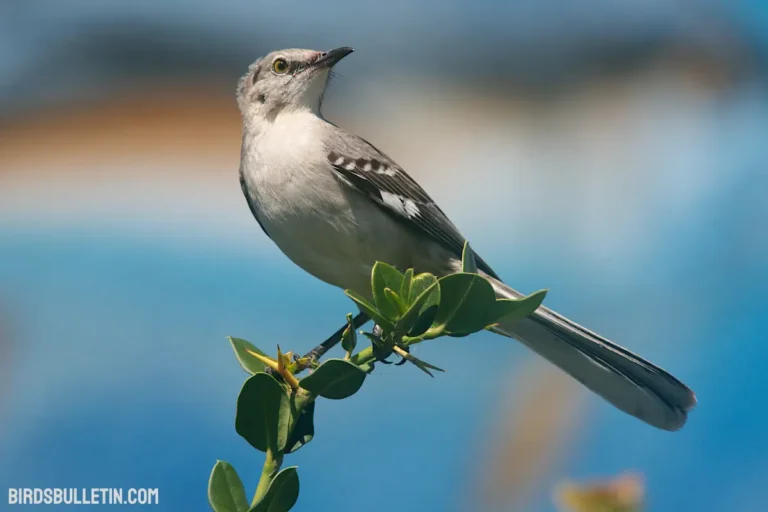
(335, 204)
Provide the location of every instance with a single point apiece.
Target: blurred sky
(613, 152)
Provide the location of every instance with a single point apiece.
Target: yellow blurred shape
(145, 123)
(624, 493)
(532, 435)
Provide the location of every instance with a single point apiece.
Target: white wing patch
(405, 207)
(363, 164)
(393, 201)
(411, 208)
(387, 171)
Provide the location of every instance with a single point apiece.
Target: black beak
(331, 57)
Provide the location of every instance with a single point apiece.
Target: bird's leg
(320, 350)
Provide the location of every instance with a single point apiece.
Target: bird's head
(286, 80)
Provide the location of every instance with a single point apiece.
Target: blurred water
(122, 377)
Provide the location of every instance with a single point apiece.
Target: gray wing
(359, 164)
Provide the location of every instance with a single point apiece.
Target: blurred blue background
(613, 152)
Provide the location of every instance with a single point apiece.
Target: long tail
(626, 380)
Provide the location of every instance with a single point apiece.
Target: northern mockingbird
(335, 204)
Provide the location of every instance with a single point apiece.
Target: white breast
(330, 230)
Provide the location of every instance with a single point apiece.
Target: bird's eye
(280, 66)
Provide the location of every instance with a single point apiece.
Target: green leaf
(385, 276)
(225, 489)
(419, 285)
(515, 309)
(467, 303)
(249, 363)
(282, 493)
(468, 261)
(263, 414)
(413, 314)
(405, 287)
(395, 300)
(369, 309)
(367, 367)
(304, 429)
(334, 379)
(349, 336)
(424, 322)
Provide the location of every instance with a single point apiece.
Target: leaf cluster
(275, 409)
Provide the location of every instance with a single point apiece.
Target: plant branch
(272, 465)
(364, 356)
(432, 333)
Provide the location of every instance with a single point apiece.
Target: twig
(272, 465)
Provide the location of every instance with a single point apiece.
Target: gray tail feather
(624, 379)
